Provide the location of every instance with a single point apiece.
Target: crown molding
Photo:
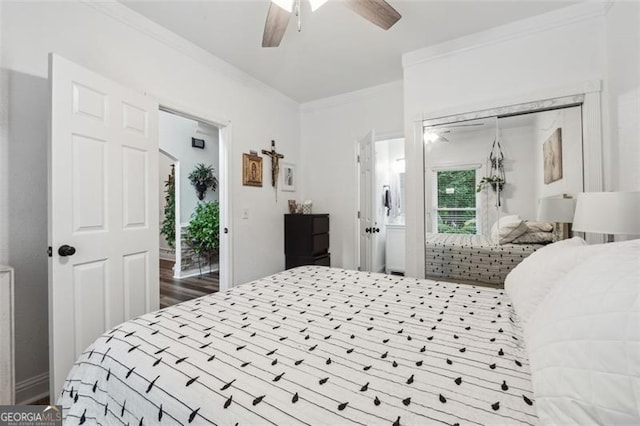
(142, 24)
(351, 97)
(525, 27)
(577, 89)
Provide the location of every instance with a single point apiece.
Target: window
(456, 201)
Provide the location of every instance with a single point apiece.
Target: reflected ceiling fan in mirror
(378, 12)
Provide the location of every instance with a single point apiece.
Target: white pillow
(584, 342)
(529, 283)
(511, 227)
(502, 221)
(539, 226)
(537, 237)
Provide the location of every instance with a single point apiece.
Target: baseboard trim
(193, 272)
(167, 254)
(32, 389)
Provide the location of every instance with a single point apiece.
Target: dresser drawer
(306, 240)
(320, 225)
(320, 244)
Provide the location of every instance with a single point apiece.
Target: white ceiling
(337, 50)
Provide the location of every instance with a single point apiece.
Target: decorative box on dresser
(7, 383)
(306, 240)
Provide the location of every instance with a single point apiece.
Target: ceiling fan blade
(378, 12)
(275, 26)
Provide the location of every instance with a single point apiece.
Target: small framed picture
(197, 143)
(251, 170)
(552, 155)
(288, 177)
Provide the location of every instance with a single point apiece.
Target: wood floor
(174, 291)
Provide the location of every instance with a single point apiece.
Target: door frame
(377, 137)
(224, 181)
(176, 194)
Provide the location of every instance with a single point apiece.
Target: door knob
(367, 230)
(377, 230)
(66, 250)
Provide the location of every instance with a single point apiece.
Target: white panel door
(103, 198)
(366, 147)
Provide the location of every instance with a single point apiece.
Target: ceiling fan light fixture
(284, 4)
(316, 4)
(430, 137)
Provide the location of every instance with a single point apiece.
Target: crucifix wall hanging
(275, 165)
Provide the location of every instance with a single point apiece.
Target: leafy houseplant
(202, 178)
(203, 231)
(168, 227)
(496, 183)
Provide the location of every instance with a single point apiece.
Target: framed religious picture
(288, 177)
(251, 170)
(552, 157)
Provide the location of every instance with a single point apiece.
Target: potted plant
(202, 178)
(168, 227)
(496, 183)
(203, 231)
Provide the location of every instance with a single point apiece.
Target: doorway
(191, 204)
(381, 211)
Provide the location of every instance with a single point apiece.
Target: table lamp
(611, 213)
(559, 210)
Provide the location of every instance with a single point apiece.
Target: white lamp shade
(556, 209)
(315, 4)
(285, 4)
(608, 213)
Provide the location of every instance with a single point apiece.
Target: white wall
(157, 63)
(487, 70)
(518, 147)
(570, 121)
(330, 128)
(623, 103)
(175, 135)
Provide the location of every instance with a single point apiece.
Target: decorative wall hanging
(552, 155)
(202, 178)
(275, 166)
(251, 170)
(197, 143)
(496, 176)
(288, 177)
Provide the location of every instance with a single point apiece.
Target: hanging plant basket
(497, 186)
(201, 189)
(202, 178)
(495, 182)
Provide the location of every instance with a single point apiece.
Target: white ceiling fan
(378, 12)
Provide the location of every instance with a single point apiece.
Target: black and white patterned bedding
(472, 257)
(312, 345)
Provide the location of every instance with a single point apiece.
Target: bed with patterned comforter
(468, 257)
(312, 345)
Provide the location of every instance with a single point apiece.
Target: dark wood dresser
(306, 240)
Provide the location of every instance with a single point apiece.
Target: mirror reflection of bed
(484, 179)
